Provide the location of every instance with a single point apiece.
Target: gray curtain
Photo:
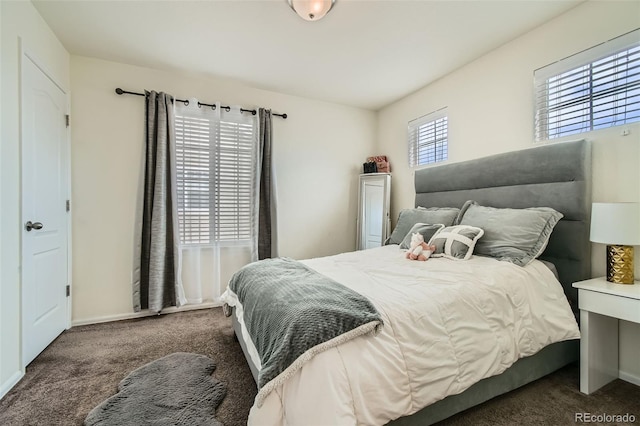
(267, 232)
(154, 285)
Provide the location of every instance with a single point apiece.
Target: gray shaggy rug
(174, 390)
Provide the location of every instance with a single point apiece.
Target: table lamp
(618, 226)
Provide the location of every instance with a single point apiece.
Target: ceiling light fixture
(311, 10)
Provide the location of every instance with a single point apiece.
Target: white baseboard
(141, 314)
(10, 383)
(629, 377)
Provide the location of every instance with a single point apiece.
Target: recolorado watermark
(604, 418)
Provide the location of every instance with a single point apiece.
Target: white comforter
(447, 325)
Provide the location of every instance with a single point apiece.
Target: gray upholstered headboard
(557, 176)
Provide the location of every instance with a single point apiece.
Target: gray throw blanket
(293, 312)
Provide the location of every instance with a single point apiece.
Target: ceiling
(363, 53)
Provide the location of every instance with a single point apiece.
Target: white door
(373, 210)
(44, 216)
(373, 213)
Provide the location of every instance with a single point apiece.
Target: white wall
(4, 381)
(21, 24)
(490, 104)
(318, 151)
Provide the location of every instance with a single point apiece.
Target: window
(215, 159)
(428, 139)
(591, 90)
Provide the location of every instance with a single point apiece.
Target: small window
(428, 139)
(594, 89)
(215, 163)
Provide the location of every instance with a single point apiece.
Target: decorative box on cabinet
(374, 219)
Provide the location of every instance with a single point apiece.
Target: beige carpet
(85, 364)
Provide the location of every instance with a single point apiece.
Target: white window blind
(234, 174)
(215, 159)
(594, 89)
(194, 180)
(428, 138)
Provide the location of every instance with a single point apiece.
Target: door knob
(29, 226)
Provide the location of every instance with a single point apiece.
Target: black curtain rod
(119, 91)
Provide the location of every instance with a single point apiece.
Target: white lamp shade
(311, 10)
(615, 223)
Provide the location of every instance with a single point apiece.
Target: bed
(556, 176)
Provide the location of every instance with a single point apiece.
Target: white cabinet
(373, 221)
(601, 305)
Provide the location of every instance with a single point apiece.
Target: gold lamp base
(620, 264)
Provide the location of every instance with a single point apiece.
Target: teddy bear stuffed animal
(419, 250)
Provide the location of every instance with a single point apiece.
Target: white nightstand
(601, 305)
